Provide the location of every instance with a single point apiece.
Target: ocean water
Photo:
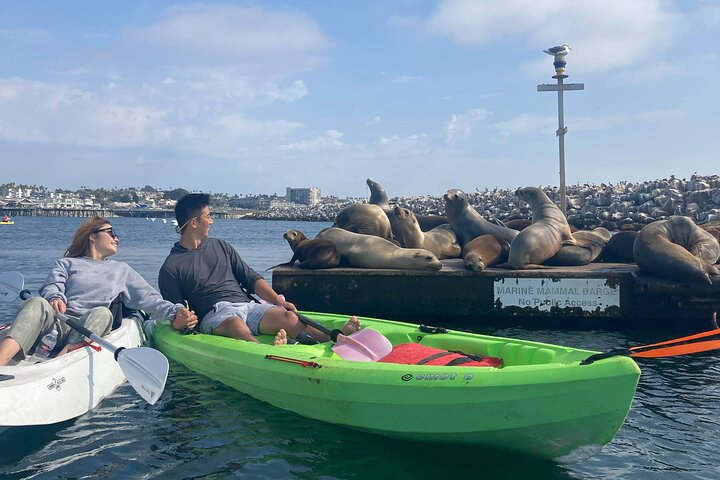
(203, 429)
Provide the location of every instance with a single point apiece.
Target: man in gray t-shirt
(210, 276)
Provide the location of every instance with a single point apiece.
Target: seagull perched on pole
(563, 49)
(559, 53)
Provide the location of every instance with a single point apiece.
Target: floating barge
(613, 295)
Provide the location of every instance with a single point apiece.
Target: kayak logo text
(55, 384)
(435, 376)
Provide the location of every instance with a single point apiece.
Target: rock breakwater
(621, 206)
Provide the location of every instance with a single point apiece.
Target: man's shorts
(250, 312)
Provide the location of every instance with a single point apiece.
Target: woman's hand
(58, 305)
(184, 318)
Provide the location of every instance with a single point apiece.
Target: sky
(421, 96)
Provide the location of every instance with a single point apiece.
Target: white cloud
(406, 79)
(461, 125)
(604, 35)
(375, 121)
(232, 35)
(331, 140)
(24, 36)
(44, 112)
(238, 125)
(530, 124)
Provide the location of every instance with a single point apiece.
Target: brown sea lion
(677, 249)
(518, 224)
(589, 246)
(379, 197)
(468, 223)
(441, 240)
(364, 218)
(547, 234)
(620, 247)
(369, 251)
(484, 251)
(713, 230)
(313, 254)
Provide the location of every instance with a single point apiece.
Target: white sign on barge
(592, 295)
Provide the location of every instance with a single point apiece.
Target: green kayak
(541, 400)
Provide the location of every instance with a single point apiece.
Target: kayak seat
(481, 347)
(516, 354)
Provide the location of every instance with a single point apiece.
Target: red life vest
(416, 354)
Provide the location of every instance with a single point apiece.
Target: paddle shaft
(72, 322)
(333, 334)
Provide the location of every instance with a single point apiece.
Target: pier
(110, 212)
(612, 295)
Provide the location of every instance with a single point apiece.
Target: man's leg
(277, 318)
(235, 327)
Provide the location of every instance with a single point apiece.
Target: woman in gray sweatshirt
(83, 284)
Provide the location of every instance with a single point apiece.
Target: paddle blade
(146, 369)
(11, 283)
(676, 350)
(365, 345)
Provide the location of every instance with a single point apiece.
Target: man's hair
(190, 206)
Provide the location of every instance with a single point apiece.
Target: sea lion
(468, 223)
(518, 224)
(589, 246)
(441, 240)
(620, 247)
(677, 249)
(315, 253)
(484, 251)
(379, 197)
(364, 218)
(541, 240)
(369, 251)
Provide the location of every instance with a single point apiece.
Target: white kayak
(64, 387)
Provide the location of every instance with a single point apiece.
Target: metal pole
(559, 64)
(561, 140)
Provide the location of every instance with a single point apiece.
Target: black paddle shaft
(600, 356)
(333, 334)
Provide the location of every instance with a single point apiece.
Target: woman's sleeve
(141, 296)
(54, 286)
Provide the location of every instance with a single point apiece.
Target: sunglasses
(110, 231)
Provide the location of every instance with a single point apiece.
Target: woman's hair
(81, 240)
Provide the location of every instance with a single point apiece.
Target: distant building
(304, 196)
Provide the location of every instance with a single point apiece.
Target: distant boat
(10, 222)
(174, 222)
(164, 220)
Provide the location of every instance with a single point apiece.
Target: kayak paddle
(365, 345)
(146, 369)
(11, 283)
(668, 348)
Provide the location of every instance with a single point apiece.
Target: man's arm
(169, 288)
(265, 291)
